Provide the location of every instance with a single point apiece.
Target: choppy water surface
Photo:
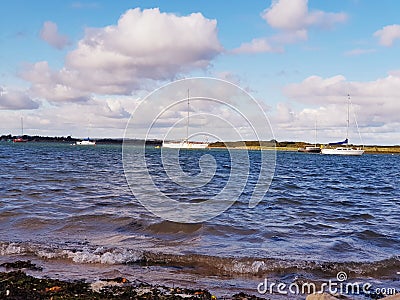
(70, 210)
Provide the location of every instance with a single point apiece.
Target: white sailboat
(185, 144)
(21, 139)
(344, 150)
(311, 149)
(86, 142)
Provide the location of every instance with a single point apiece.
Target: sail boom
(346, 141)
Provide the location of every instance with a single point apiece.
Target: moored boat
(86, 142)
(343, 151)
(346, 149)
(185, 144)
(21, 139)
(310, 149)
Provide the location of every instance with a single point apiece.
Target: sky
(84, 67)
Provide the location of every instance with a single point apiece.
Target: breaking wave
(201, 264)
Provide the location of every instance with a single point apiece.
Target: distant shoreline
(239, 145)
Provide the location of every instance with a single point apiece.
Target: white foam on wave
(246, 267)
(99, 255)
(10, 249)
(103, 256)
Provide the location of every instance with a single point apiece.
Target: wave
(225, 266)
(202, 264)
(86, 254)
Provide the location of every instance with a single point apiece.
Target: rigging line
(187, 124)
(355, 119)
(348, 117)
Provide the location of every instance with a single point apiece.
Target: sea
(323, 220)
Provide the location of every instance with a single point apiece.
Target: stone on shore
(323, 296)
(392, 297)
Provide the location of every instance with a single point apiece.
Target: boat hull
(85, 143)
(310, 150)
(342, 151)
(184, 145)
(19, 140)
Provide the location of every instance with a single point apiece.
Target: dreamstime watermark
(339, 286)
(197, 109)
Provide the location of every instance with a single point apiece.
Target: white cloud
(259, 45)
(290, 37)
(388, 34)
(292, 20)
(356, 52)
(315, 89)
(113, 108)
(293, 15)
(215, 106)
(16, 100)
(144, 46)
(49, 33)
(375, 103)
(53, 85)
(100, 117)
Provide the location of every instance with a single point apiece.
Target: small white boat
(344, 150)
(310, 149)
(86, 142)
(185, 144)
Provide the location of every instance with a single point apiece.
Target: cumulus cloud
(293, 15)
(100, 117)
(292, 19)
(144, 46)
(375, 104)
(258, 45)
(53, 85)
(113, 108)
(49, 33)
(16, 100)
(210, 101)
(315, 89)
(388, 34)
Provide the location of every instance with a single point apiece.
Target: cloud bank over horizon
(100, 76)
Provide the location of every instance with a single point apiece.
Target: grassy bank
(293, 146)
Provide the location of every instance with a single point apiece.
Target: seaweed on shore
(17, 285)
(21, 264)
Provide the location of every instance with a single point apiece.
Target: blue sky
(299, 58)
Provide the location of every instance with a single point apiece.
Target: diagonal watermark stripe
(166, 181)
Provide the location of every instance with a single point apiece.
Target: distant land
(249, 145)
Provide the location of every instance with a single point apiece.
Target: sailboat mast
(315, 134)
(22, 126)
(187, 124)
(348, 118)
